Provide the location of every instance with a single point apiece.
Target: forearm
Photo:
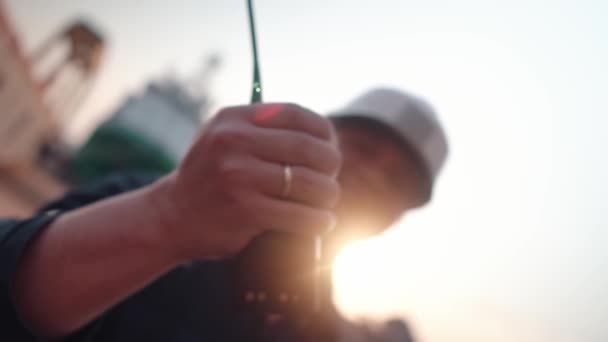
(92, 258)
(88, 260)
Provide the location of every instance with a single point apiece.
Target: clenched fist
(231, 186)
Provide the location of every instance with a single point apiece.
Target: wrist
(157, 198)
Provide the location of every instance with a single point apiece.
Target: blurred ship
(41, 92)
(149, 132)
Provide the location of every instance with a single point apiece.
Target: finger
(291, 217)
(307, 186)
(292, 117)
(294, 148)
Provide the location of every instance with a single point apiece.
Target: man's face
(376, 174)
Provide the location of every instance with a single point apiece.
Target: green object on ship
(113, 148)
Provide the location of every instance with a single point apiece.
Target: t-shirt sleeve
(15, 236)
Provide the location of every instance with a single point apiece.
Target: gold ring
(287, 179)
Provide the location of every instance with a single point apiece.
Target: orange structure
(33, 110)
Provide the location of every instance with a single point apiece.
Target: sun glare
(362, 273)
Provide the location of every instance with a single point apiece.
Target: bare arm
(226, 191)
(90, 259)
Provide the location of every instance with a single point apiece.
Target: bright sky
(513, 246)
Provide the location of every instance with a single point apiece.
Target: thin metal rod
(256, 94)
(256, 97)
(317, 275)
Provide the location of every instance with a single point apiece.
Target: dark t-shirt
(191, 303)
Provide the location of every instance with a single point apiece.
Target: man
(156, 259)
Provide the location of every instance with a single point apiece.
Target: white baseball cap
(410, 117)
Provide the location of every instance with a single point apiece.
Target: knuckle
(292, 107)
(296, 113)
(216, 139)
(304, 178)
(303, 149)
(224, 114)
(325, 127)
(226, 138)
(231, 172)
(228, 112)
(233, 113)
(327, 158)
(318, 190)
(320, 125)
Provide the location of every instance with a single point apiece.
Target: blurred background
(512, 248)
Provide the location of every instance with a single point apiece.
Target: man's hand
(228, 188)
